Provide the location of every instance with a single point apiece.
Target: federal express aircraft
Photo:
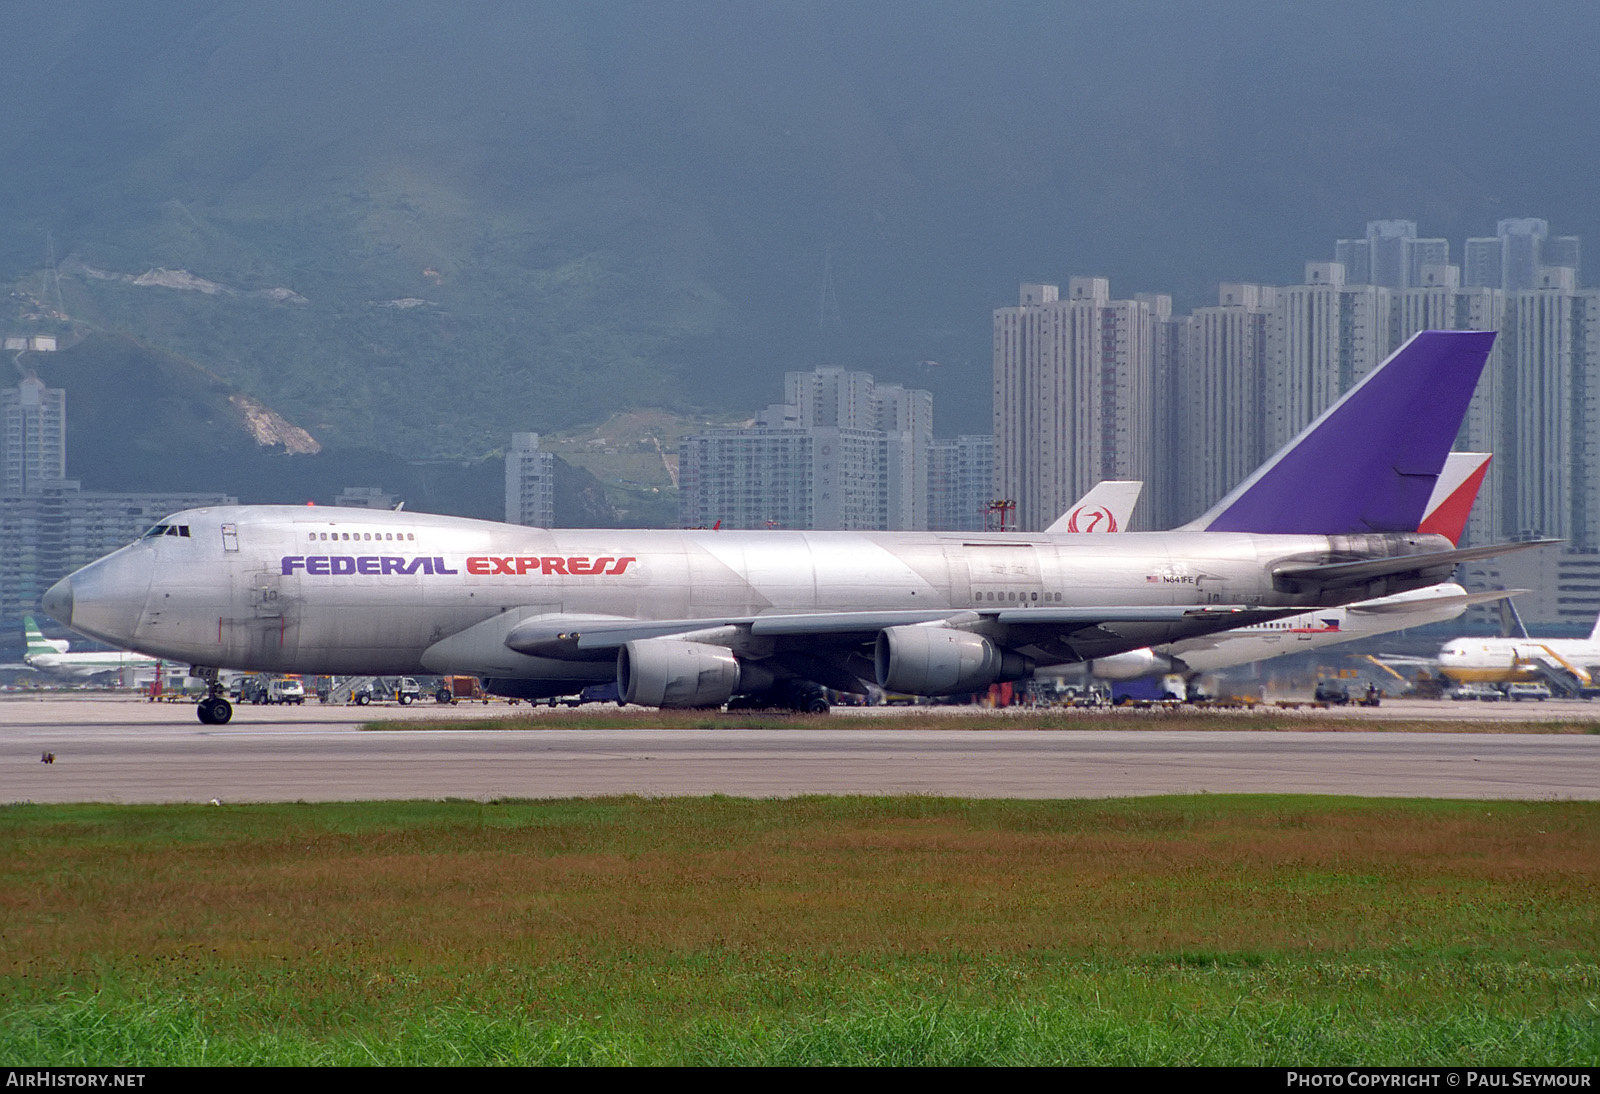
(695, 618)
(1445, 514)
(51, 655)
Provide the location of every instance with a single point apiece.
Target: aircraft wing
(1466, 600)
(1066, 633)
(554, 635)
(1328, 576)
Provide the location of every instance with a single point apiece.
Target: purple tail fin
(1368, 464)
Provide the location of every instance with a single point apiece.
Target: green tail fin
(37, 643)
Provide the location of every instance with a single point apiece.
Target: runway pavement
(122, 750)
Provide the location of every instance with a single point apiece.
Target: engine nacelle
(1131, 665)
(669, 672)
(942, 661)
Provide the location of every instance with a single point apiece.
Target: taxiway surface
(127, 751)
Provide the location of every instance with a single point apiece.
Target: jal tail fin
(1370, 461)
(1454, 494)
(1107, 507)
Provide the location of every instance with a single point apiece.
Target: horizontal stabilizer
(1335, 575)
(1395, 605)
(1369, 463)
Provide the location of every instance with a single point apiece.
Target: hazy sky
(929, 155)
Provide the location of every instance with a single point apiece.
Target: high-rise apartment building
(33, 436)
(1512, 258)
(1074, 384)
(960, 483)
(530, 482)
(1219, 407)
(843, 453)
(1551, 405)
(761, 477)
(1390, 255)
(905, 418)
(1323, 337)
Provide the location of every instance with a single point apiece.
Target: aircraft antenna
(829, 321)
(52, 275)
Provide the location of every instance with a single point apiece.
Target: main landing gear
(214, 709)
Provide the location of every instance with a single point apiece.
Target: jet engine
(943, 661)
(1131, 665)
(669, 672)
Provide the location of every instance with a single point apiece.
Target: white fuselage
(83, 665)
(1320, 628)
(317, 590)
(1509, 660)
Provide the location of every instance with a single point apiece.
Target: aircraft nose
(105, 599)
(57, 601)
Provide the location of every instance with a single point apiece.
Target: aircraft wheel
(817, 706)
(214, 712)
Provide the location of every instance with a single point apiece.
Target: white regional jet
(1446, 514)
(51, 655)
(695, 618)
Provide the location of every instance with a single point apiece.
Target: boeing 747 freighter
(695, 618)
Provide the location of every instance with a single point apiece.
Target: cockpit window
(181, 530)
(158, 530)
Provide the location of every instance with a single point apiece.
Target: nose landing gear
(214, 709)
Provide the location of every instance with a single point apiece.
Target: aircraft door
(1005, 575)
(264, 630)
(1212, 590)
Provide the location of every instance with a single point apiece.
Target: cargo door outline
(1010, 572)
(265, 625)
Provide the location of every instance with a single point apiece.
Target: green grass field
(1264, 719)
(1193, 930)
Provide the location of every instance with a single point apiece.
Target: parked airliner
(52, 655)
(694, 618)
(1569, 662)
